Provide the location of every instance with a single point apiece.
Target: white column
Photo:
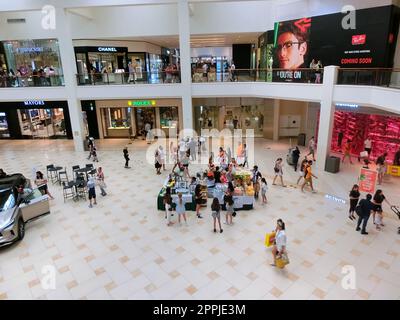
(69, 71)
(186, 76)
(326, 116)
(277, 111)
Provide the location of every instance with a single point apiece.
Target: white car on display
(19, 205)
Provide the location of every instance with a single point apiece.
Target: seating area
(74, 185)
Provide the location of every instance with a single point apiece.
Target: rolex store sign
(106, 49)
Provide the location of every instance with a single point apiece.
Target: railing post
(108, 80)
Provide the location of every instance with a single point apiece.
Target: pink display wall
(384, 132)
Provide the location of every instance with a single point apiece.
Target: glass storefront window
(30, 56)
(206, 118)
(169, 117)
(42, 123)
(138, 61)
(4, 133)
(230, 117)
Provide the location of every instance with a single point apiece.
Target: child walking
(180, 208)
(216, 214)
(264, 188)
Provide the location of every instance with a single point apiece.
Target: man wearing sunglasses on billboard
(291, 47)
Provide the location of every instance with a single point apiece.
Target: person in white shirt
(233, 74)
(311, 148)
(368, 146)
(280, 241)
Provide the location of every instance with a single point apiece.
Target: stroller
(289, 157)
(397, 212)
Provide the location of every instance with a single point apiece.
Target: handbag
(269, 239)
(364, 154)
(234, 214)
(282, 261)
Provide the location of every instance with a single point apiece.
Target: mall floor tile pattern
(122, 248)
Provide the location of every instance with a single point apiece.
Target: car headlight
(9, 225)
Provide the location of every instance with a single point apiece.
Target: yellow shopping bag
(282, 261)
(269, 239)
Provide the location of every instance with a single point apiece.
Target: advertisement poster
(325, 40)
(291, 50)
(367, 180)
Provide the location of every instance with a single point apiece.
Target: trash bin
(301, 139)
(332, 164)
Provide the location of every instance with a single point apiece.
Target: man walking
(364, 211)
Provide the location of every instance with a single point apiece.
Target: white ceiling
(200, 41)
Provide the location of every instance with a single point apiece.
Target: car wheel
(21, 229)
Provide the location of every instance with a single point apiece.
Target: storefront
(138, 60)
(31, 56)
(234, 113)
(35, 119)
(356, 123)
(101, 59)
(127, 119)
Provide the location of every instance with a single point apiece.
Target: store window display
(42, 123)
(383, 133)
(37, 62)
(4, 132)
(117, 122)
(206, 118)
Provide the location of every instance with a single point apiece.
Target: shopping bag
(282, 261)
(269, 239)
(364, 154)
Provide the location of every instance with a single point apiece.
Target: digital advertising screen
(363, 39)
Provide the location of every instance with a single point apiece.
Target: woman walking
(354, 197)
(347, 150)
(157, 162)
(280, 241)
(100, 178)
(264, 188)
(377, 214)
(198, 199)
(255, 179)
(295, 157)
(302, 168)
(216, 214)
(381, 167)
(278, 172)
(42, 184)
(167, 200)
(180, 208)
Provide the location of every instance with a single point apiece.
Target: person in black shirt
(364, 211)
(396, 160)
(377, 201)
(217, 175)
(354, 196)
(198, 199)
(381, 167)
(295, 157)
(126, 156)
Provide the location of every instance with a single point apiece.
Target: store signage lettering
(142, 103)
(347, 105)
(334, 198)
(107, 49)
(34, 103)
(28, 50)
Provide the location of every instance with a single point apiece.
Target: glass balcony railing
(31, 81)
(370, 77)
(153, 77)
(259, 75)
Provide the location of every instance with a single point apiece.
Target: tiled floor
(122, 249)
